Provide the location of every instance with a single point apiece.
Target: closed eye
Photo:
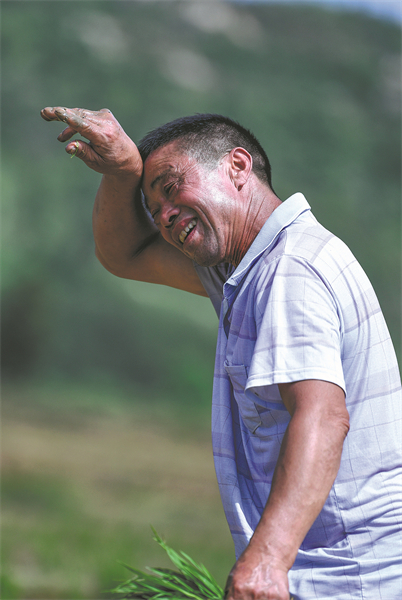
(169, 187)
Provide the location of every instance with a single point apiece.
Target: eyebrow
(153, 184)
(161, 176)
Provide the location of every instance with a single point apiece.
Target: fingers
(74, 116)
(51, 113)
(86, 122)
(87, 154)
(109, 151)
(57, 113)
(66, 134)
(81, 150)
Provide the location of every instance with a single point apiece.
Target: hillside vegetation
(320, 90)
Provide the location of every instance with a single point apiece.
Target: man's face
(191, 206)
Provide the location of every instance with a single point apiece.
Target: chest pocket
(238, 377)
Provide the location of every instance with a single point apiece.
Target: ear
(240, 166)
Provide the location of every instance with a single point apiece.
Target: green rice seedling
(191, 581)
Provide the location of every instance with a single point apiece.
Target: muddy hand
(257, 576)
(109, 150)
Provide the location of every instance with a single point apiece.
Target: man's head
(206, 183)
(207, 138)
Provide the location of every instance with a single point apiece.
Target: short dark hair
(207, 138)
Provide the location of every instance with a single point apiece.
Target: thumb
(82, 150)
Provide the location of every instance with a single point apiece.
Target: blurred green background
(107, 383)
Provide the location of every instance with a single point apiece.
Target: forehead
(164, 161)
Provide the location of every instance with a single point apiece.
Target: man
(306, 403)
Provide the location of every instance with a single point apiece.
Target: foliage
(319, 89)
(191, 580)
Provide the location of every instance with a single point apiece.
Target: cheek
(166, 236)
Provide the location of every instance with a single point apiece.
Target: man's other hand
(109, 150)
(255, 576)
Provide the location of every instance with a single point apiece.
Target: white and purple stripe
(299, 306)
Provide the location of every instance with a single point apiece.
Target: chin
(207, 255)
(208, 261)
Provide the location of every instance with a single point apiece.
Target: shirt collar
(284, 215)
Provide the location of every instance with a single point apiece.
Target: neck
(258, 207)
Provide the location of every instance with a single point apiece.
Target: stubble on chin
(206, 254)
(203, 259)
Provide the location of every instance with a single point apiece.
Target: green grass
(81, 483)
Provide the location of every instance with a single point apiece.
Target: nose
(169, 213)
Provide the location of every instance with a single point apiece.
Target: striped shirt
(299, 306)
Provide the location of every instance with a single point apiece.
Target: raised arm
(127, 242)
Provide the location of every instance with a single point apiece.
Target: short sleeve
(299, 331)
(213, 279)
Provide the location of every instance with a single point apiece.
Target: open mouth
(187, 230)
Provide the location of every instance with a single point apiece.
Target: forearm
(306, 469)
(120, 223)
(308, 463)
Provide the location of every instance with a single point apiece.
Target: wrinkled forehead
(164, 160)
(169, 160)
